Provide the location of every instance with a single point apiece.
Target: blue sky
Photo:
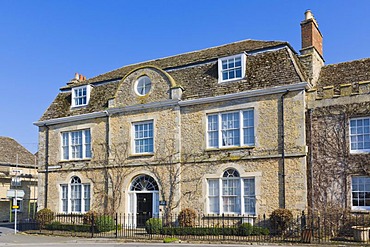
(43, 43)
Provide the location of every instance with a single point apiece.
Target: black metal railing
(328, 228)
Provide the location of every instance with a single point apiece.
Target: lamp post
(15, 202)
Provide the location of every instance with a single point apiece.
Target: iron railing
(328, 228)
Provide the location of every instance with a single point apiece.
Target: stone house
(18, 172)
(338, 125)
(220, 130)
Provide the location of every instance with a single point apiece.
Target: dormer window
(231, 68)
(80, 96)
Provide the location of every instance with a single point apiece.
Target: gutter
(170, 103)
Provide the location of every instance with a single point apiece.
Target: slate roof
(343, 73)
(9, 149)
(190, 58)
(268, 64)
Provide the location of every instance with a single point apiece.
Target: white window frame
(221, 70)
(66, 199)
(365, 189)
(68, 147)
(353, 134)
(134, 139)
(240, 196)
(147, 86)
(75, 96)
(221, 133)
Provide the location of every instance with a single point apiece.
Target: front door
(144, 208)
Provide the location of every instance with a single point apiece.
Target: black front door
(144, 208)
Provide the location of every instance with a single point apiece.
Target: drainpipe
(106, 161)
(46, 166)
(107, 135)
(283, 147)
(310, 159)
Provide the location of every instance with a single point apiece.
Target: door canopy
(144, 183)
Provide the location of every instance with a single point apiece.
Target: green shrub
(57, 226)
(170, 240)
(280, 219)
(260, 231)
(245, 229)
(44, 216)
(187, 217)
(153, 226)
(104, 223)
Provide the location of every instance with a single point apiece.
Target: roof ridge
(346, 62)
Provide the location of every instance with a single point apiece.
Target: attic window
(231, 68)
(80, 96)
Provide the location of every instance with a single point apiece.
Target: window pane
(214, 205)
(64, 198)
(248, 128)
(213, 193)
(144, 137)
(213, 187)
(230, 129)
(238, 62)
(359, 134)
(231, 68)
(231, 74)
(231, 63)
(87, 197)
(80, 96)
(361, 192)
(87, 144)
(65, 146)
(238, 73)
(249, 196)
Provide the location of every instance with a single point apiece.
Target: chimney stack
(311, 52)
(311, 35)
(78, 78)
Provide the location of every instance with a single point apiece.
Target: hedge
(57, 226)
(214, 231)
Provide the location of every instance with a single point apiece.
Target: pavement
(8, 236)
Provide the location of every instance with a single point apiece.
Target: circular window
(143, 85)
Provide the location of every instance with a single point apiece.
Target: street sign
(11, 193)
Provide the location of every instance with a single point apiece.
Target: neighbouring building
(222, 130)
(18, 181)
(338, 121)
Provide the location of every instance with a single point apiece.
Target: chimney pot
(76, 76)
(308, 14)
(81, 77)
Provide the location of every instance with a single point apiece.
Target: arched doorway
(143, 199)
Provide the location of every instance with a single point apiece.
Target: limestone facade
(168, 134)
(180, 149)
